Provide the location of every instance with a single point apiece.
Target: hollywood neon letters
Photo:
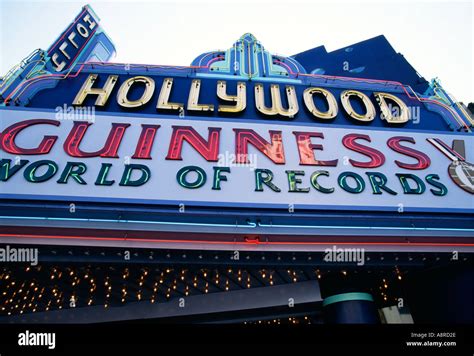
(193, 177)
(238, 102)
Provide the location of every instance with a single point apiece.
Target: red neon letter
(73, 141)
(7, 138)
(208, 149)
(145, 142)
(305, 149)
(376, 157)
(423, 160)
(273, 151)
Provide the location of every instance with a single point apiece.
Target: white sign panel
(261, 183)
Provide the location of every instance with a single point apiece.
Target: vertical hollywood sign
(68, 46)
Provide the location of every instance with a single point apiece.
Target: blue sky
(436, 37)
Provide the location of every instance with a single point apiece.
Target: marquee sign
(241, 127)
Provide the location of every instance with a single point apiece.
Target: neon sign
(237, 103)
